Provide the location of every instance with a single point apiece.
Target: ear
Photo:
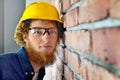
(25, 37)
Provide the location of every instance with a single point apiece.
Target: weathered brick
(74, 62)
(79, 40)
(66, 4)
(114, 9)
(67, 72)
(74, 1)
(83, 69)
(105, 75)
(93, 10)
(70, 18)
(106, 43)
(112, 2)
(91, 71)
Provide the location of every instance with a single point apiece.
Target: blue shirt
(16, 66)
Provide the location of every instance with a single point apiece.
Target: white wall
(12, 12)
(1, 25)
(29, 1)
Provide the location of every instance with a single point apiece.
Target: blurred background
(10, 12)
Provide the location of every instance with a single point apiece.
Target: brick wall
(91, 53)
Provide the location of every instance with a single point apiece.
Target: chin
(50, 59)
(50, 63)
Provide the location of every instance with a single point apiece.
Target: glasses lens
(42, 31)
(53, 31)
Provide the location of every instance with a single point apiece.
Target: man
(38, 33)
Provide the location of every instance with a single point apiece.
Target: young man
(38, 33)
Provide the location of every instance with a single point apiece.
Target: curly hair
(23, 28)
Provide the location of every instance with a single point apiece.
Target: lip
(45, 46)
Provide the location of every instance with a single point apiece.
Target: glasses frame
(46, 30)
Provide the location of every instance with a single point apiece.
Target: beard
(46, 59)
(40, 58)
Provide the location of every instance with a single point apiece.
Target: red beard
(41, 58)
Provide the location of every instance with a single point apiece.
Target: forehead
(43, 23)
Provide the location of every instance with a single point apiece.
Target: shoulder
(7, 55)
(11, 55)
(5, 59)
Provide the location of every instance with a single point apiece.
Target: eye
(38, 32)
(53, 31)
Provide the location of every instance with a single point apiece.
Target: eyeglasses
(38, 32)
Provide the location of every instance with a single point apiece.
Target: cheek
(34, 39)
(31, 40)
(55, 41)
(25, 38)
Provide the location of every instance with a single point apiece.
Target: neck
(35, 67)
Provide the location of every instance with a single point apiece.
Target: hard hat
(41, 10)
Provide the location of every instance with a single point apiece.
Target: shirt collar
(24, 61)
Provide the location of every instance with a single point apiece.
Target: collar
(24, 62)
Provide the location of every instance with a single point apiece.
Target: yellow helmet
(41, 10)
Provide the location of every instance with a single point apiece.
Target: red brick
(83, 69)
(105, 75)
(74, 1)
(115, 9)
(90, 71)
(93, 10)
(66, 4)
(112, 2)
(79, 40)
(73, 61)
(106, 43)
(67, 73)
(70, 18)
(93, 72)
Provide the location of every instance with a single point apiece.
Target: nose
(46, 31)
(46, 35)
(45, 38)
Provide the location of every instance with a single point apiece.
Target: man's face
(42, 39)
